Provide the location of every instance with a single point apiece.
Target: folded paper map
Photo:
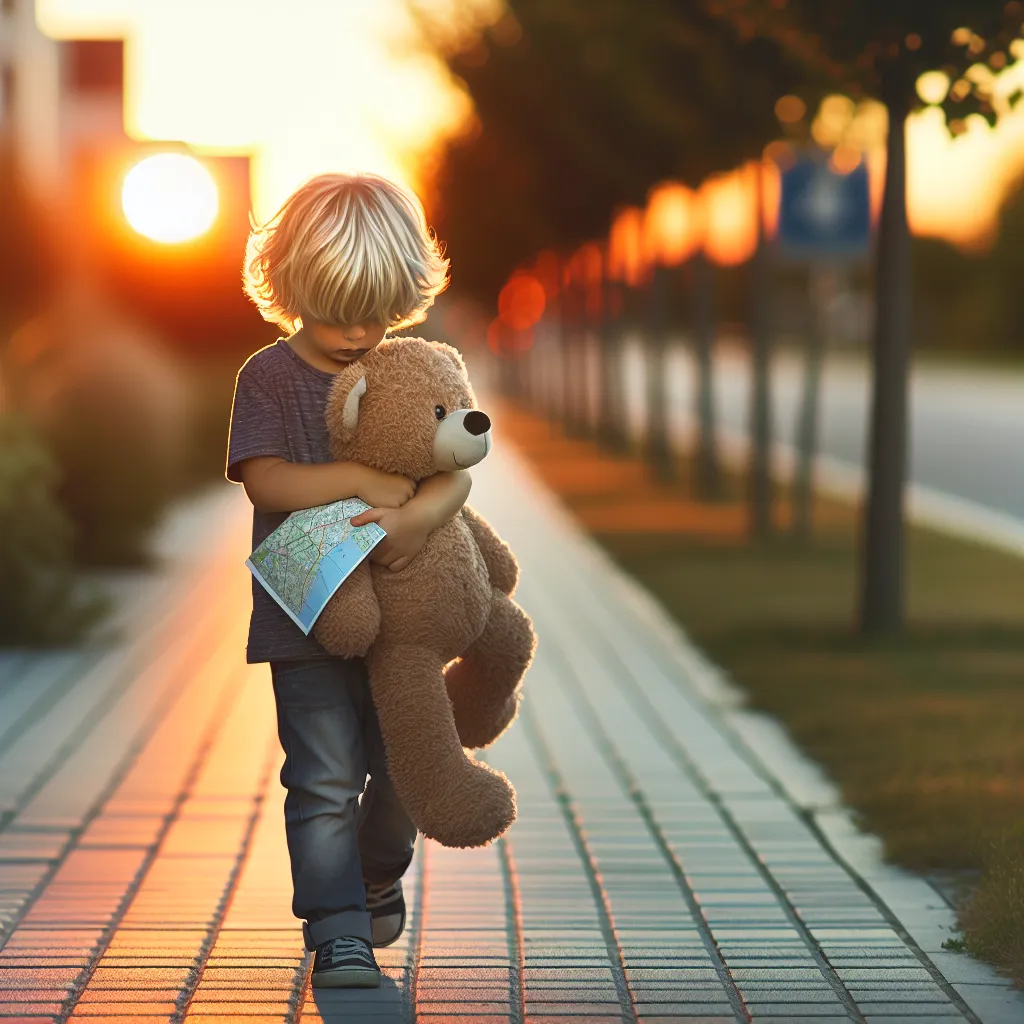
(304, 561)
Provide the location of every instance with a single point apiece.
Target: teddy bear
(445, 645)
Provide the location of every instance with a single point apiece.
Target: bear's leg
(350, 621)
(449, 796)
(483, 685)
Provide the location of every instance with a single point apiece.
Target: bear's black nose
(477, 422)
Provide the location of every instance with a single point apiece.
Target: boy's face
(344, 345)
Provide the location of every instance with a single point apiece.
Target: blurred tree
(1004, 271)
(582, 105)
(880, 48)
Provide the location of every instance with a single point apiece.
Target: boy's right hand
(384, 490)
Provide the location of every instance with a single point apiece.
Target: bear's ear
(350, 412)
(452, 353)
(342, 412)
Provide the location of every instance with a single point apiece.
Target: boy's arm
(258, 458)
(275, 485)
(438, 499)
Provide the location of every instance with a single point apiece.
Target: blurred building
(63, 140)
(54, 95)
(30, 88)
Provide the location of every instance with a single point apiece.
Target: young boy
(346, 259)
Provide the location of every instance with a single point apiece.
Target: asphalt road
(966, 430)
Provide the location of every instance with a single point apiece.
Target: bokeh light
(933, 86)
(790, 109)
(169, 198)
(833, 121)
(730, 205)
(672, 228)
(845, 159)
(521, 302)
(626, 246)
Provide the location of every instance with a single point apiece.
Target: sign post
(825, 224)
(824, 216)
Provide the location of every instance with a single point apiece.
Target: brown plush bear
(407, 407)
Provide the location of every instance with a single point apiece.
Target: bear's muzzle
(463, 439)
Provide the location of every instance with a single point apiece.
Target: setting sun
(300, 88)
(169, 198)
(316, 86)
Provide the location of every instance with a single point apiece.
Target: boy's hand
(406, 531)
(383, 490)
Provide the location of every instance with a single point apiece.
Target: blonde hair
(345, 249)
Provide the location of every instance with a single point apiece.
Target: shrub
(40, 604)
(111, 406)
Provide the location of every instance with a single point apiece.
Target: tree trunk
(612, 413)
(708, 472)
(882, 568)
(819, 288)
(549, 371)
(572, 374)
(533, 358)
(760, 411)
(659, 448)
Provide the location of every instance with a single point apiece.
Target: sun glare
(169, 198)
(302, 88)
(327, 85)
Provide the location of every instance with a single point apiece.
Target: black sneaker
(386, 907)
(345, 963)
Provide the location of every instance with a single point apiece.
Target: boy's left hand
(406, 534)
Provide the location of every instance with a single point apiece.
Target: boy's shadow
(354, 1005)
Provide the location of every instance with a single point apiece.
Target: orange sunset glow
(315, 85)
(304, 87)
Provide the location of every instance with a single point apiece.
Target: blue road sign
(823, 214)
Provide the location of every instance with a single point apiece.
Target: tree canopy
(881, 47)
(582, 105)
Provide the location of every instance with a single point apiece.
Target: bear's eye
(440, 412)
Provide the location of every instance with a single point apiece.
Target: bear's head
(407, 407)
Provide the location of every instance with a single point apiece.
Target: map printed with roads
(304, 561)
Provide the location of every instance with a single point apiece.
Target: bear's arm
(502, 566)
(350, 621)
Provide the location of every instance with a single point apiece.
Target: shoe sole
(347, 977)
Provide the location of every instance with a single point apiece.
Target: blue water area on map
(333, 570)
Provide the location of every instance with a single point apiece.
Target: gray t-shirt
(278, 409)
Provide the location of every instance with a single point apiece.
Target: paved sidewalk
(668, 863)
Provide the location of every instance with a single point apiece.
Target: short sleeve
(257, 423)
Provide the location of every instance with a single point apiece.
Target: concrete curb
(926, 507)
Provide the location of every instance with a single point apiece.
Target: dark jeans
(331, 739)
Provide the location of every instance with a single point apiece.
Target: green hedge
(40, 599)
